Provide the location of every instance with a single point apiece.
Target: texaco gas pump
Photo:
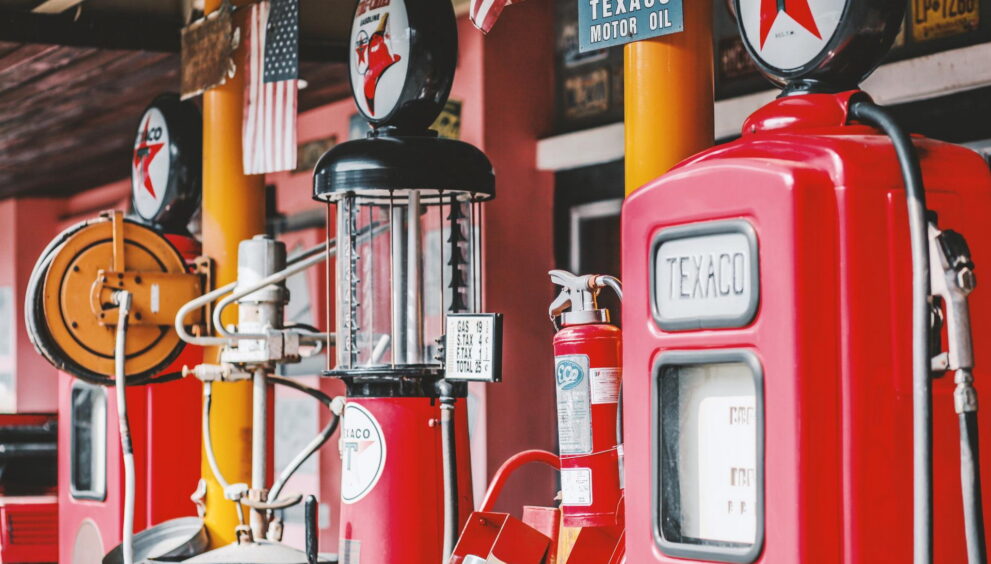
(408, 336)
(795, 335)
(72, 316)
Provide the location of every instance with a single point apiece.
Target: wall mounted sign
(933, 19)
(165, 163)
(605, 23)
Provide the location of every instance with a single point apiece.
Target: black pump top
(383, 167)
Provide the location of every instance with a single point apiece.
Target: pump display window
(708, 455)
(88, 442)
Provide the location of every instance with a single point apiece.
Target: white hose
(127, 450)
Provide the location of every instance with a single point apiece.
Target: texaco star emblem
(143, 155)
(798, 10)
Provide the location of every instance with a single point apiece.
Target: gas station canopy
(74, 73)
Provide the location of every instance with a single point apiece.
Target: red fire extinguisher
(588, 374)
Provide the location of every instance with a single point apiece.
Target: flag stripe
(269, 128)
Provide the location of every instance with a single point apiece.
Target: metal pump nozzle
(577, 304)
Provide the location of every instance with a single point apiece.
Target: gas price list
(473, 347)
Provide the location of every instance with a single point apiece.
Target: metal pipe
(414, 282)
(511, 465)
(398, 258)
(259, 446)
(970, 482)
(208, 438)
(267, 281)
(449, 462)
(233, 210)
(613, 283)
(317, 441)
(123, 299)
(192, 305)
(870, 113)
(668, 97)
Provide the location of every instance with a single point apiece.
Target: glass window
(88, 449)
(708, 463)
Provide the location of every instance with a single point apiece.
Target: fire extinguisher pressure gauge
(818, 45)
(165, 164)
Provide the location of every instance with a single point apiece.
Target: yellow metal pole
(668, 97)
(233, 209)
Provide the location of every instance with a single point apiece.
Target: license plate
(932, 19)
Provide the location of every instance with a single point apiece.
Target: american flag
(271, 85)
(484, 13)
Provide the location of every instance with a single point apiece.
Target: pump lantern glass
(408, 216)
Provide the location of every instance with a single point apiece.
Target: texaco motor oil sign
(604, 23)
(380, 52)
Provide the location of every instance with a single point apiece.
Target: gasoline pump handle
(866, 111)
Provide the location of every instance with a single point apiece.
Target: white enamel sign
(706, 280)
(380, 51)
(150, 164)
(472, 348)
(362, 453)
(788, 34)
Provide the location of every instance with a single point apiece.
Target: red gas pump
(68, 302)
(781, 356)
(406, 203)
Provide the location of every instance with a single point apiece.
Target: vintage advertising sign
(150, 166)
(362, 453)
(473, 347)
(789, 35)
(933, 19)
(380, 40)
(705, 276)
(605, 23)
(166, 162)
(401, 61)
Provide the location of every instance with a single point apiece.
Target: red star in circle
(143, 155)
(798, 10)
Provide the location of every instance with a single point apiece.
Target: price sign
(473, 347)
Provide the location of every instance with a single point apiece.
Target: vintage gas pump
(784, 322)
(71, 316)
(408, 335)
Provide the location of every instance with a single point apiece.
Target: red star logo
(143, 155)
(798, 10)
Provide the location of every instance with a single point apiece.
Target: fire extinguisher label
(574, 406)
(362, 453)
(605, 384)
(576, 486)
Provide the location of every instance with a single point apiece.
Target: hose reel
(70, 311)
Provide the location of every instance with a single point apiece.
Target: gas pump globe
(406, 256)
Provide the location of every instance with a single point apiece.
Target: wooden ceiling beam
(122, 32)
